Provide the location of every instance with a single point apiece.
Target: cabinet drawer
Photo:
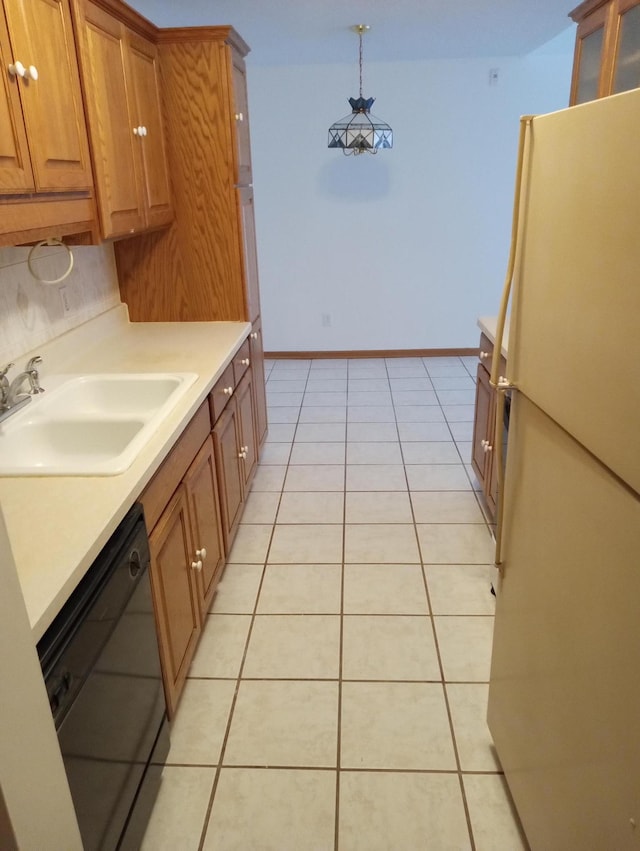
(485, 355)
(222, 392)
(241, 361)
(158, 492)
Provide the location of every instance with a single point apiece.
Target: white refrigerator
(564, 696)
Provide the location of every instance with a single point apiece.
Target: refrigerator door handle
(500, 383)
(525, 125)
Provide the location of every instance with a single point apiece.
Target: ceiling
(317, 31)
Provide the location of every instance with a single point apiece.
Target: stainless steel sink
(88, 425)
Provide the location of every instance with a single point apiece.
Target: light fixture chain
(360, 36)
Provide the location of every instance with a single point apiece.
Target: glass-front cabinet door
(626, 63)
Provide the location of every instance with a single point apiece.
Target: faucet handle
(5, 370)
(32, 362)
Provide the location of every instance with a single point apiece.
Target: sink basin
(88, 425)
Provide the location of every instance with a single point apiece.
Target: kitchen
(475, 287)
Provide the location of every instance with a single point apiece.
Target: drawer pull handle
(239, 116)
(254, 335)
(245, 361)
(484, 355)
(202, 553)
(242, 455)
(196, 565)
(228, 391)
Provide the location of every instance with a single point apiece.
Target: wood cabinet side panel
(247, 422)
(259, 384)
(226, 440)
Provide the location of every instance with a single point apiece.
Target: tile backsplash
(32, 313)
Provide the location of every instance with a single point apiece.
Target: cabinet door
(482, 426)
(588, 69)
(154, 174)
(246, 415)
(241, 119)
(15, 165)
(41, 36)
(175, 596)
(249, 252)
(114, 144)
(206, 526)
(626, 58)
(259, 388)
(226, 439)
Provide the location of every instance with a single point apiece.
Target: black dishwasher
(102, 672)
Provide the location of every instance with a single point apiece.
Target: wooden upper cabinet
(120, 70)
(607, 53)
(43, 137)
(241, 118)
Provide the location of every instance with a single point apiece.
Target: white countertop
(58, 525)
(488, 325)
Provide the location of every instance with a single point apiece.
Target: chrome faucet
(12, 397)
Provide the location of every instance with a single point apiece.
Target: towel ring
(51, 242)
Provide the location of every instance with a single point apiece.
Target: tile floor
(338, 696)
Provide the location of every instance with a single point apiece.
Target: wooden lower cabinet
(175, 594)
(187, 558)
(483, 459)
(259, 384)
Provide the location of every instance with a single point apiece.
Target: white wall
(406, 248)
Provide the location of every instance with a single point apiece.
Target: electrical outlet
(326, 320)
(64, 300)
(493, 76)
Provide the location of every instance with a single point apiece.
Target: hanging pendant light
(360, 131)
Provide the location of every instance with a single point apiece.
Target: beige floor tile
(460, 589)
(321, 433)
(286, 385)
(199, 726)
(376, 477)
(311, 507)
(378, 507)
(423, 432)
(237, 589)
(453, 382)
(456, 543)
(494, 821)
(438, 371)
(306, 543)
(324, 385)
(456, 397)
(393, 811)
(417, 383)
(251, 544)
(281, 432)
(459, 413)
(360, 432)
(414, 397)
(371, 414)
(269, 478)
(317, 453)
(284, 723)
(276, 399)
(282, 415)
(461, 431)
(465, 647)
(273, 810)
(275, 453)
(437, 477)
(368, 384)
(221, 647)
(419, 414)
(415, 370)
(302, 647)
(336, 398)
(261, 507)
(395, 725)
(374, 453)
(384, 589)
(446, 507)
(323, 414)
(301, 589)
(315, 477)
(375, 543)
(180, 809)
(368, 397)
(433, 452)
(381, 647)
(468, 707)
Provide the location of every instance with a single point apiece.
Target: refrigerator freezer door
(574, 345)
(564, 697)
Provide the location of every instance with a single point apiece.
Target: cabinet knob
(17, 69)
(202, 553)
(196, 565)
(135, 131)
(242, 455)
(228, 391)
(487, 446)
(239, 116)
(254, 335)
(245, 449)
(245, 361)
(484, 355)
(143, 130)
